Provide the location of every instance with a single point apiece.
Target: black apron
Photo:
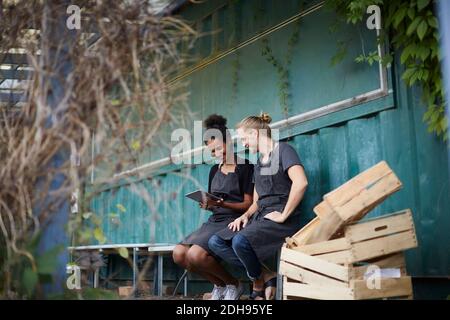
(227, 187)
(266, 236)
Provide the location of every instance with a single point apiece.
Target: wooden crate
(350, 202)
(393, 288)
(335, 269)
(309, 277)
(367, 240)
(359, 195)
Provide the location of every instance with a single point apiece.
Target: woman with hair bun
(280, 183)
(231, 180)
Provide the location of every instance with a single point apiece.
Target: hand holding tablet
(202, 196)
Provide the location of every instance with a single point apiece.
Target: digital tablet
(201, 196)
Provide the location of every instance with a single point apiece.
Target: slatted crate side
(301, 282)
(318, 228)
(396, 260)
(323, 210)
(317, 265)
(388, 288)
(303, 234)
(354, 186)
(356, 207)
(323, 247)
(380, 226)
(305, 276)
(290, 297)
(373, 248)
(297, 289)
(367, 240)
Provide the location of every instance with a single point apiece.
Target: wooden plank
(317, 292)
(312, 263)
(325, 246)
(290, 242)
(383, 246)
(323, 210)
(305, 276)
(303, 234)
(358, 205)
(392, 260)
(326, 229)
(359, 272)
(393, 287)
(286, 297)
(396, 260)
(373, 248)
(398, 222)
(354, 186)
(339, 257)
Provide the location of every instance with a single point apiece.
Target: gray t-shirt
(272, 181)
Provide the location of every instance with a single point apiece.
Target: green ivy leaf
(422, 29)
(411, 13)
(387, 59)
(30, 280)
(408, 73)
(433, 22)
(444, 123)
(407, 52)
(422, 4)
(424, 52)
(136, 145)
(48, 261)
(99, 236)
(399, 16)
(413, 26)
(87, 215)
(123, 252)
(121, 207)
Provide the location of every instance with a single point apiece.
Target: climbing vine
(235, 65)
(282, 68)
(412, 28)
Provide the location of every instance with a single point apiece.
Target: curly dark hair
(218, 122)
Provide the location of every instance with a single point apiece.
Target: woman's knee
(215, 242)
(239, 243)
(179, 255)
(196, 256)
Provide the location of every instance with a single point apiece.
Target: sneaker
(218, 293)
(233, 292)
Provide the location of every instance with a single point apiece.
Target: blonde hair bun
(265, 117)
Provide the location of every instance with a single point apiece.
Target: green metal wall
(333, 148)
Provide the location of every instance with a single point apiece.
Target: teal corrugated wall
(333, 148)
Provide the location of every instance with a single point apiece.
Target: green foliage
(412, 28)
(30, 269)
(235, 65)
(340, 53)
(281, 68)
(121, 207)
(123, 252)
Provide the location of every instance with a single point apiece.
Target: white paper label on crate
(382, 273)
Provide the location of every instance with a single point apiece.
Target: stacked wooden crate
(337, 257)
